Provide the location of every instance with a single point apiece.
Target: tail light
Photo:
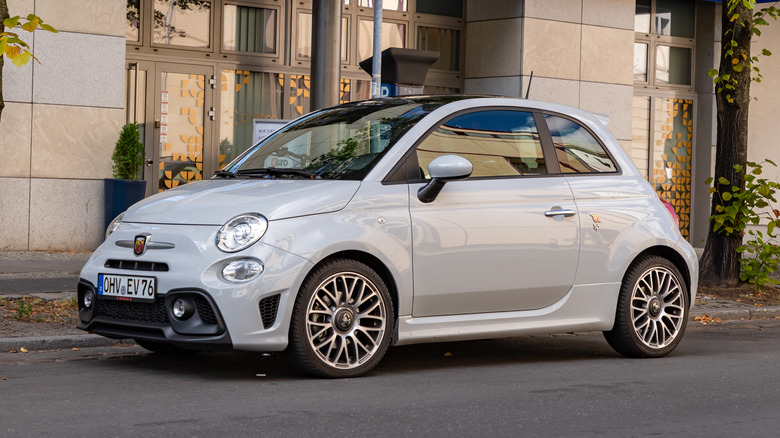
(673, 213)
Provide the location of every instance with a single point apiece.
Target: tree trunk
(719, 265)
(3, 16)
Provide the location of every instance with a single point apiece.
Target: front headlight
(114, 224)
(241, 232)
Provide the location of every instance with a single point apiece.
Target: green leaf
(740, 249)
(726, 196)
(737, 168)
(723, 180)
(766, 52)
(770, 162)
(22, 58)
(49, 28)
(11, 22)
(712, 72)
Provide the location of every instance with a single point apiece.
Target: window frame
(211, 34)
(617, 171)
(406, 170)
(280, 18)
(653, 40)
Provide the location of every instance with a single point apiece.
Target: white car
(402, 220)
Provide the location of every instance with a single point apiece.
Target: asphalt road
(723, 380)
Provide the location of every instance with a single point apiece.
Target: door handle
(557, 211)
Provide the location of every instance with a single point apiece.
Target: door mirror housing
(443, 169)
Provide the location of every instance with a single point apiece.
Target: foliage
(14, 47)
(739, 58)
(25, 308)
(736, 208)
(32, 309)
(128, 154)
(760, 259)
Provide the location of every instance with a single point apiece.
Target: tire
(343, 320)
(166, 349)
(652, 310)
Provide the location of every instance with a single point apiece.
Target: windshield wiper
(276, 171)
(225, 174)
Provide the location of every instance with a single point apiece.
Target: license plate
(127, 288)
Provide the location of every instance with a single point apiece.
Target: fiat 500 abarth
(398, 221)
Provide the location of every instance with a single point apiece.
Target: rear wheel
(343, 320)
(652, 310)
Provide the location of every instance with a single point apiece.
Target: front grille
(268, 308)
(132, 311)
(136, 265)
(205, 311)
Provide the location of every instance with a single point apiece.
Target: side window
(576, 149)
(498, 143)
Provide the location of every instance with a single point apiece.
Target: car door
(504, 239)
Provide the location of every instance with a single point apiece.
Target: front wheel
(652, 310)
(342, 321)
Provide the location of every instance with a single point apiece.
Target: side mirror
(443, 169)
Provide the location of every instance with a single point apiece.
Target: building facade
(195, 74)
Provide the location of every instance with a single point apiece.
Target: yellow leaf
(23, 350)
(735, 61)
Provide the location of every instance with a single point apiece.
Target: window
(444, 41)
(182, 22)
(393, 35)
(245, 96)
(663, 44)
(303, 37)
(498, 143)
(391, 5)
(438, 7)
(249, 29)
(133, 21)
(577, 150)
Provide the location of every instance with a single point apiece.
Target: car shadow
(398, 360)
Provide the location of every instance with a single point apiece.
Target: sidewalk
(54, 275)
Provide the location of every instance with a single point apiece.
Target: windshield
(344, 142)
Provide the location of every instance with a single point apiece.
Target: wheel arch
(375, 264)
(673, 256)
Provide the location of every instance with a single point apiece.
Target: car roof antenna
(528, 90)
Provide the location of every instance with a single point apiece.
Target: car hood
(214, 202)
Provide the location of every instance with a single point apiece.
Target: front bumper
(250, 316)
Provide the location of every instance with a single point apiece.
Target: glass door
(662, 148)
(183, 114)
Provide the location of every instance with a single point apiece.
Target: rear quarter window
(576, 148)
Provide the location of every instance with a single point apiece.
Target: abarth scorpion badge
(139, 247)
(596, 221)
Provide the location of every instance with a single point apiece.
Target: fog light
(242, 270)
(183, 308)
(88, 299)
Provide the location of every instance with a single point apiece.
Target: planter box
(120, 195)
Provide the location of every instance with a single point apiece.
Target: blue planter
(120, 195)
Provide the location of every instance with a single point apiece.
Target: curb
(58, 342)
(89, 340)
(738, 313)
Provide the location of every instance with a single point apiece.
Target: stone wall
(61, 120)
